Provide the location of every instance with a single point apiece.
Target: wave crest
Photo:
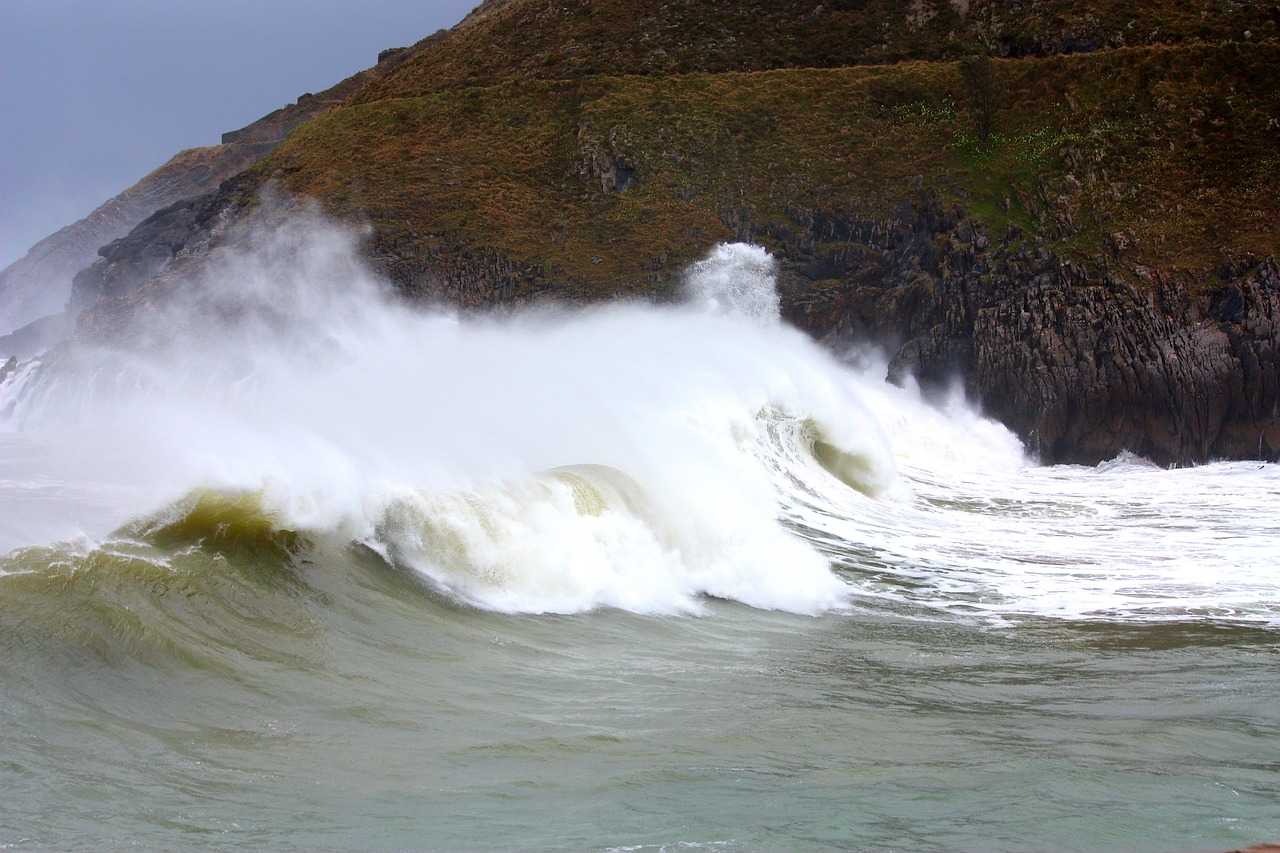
(583, 536)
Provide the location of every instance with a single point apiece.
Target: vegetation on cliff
(1161, 156)
(918, 168)
(571, 39)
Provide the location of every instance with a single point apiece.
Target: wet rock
(143, 253)
(1080, 363)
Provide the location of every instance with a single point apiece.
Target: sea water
(303, 568)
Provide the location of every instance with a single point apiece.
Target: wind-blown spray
(546, 461)
(625, 456)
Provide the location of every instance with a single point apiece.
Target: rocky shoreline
(1076, 360)
(1081, 364)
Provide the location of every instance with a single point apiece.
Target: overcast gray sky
(94, 94)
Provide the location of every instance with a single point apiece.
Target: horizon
(68, 144)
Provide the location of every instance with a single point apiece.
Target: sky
(95, 94)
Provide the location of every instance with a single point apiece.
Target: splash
(737, 280)
(533, 463)
(624, 456)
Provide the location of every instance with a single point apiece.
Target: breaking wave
(628, 456)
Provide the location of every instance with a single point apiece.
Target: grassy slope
(1160, 155)
(570, 39)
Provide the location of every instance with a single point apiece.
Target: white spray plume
(287, 368)
(737, 280)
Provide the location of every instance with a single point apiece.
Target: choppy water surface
(627, 579)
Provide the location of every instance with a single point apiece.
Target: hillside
(37, 286)
(571, 39)
(642, 173)
(1072, 206)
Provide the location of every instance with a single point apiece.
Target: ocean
(304, 568)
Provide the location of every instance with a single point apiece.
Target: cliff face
(1078, 223)
(1078, 361)
(39, 284)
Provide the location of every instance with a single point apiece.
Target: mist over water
(290, 371)
(624, 455)
(298, 565)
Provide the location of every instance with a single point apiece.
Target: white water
(627, 456)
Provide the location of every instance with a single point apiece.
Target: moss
(572, 39)
(1173, 147)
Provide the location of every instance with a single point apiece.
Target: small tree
(977, 72)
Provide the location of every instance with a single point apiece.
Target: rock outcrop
(148, 250)
(1076, 359)
(39, 284)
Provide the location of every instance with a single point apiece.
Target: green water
(171, 695)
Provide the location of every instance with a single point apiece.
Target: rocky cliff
(1070, 207)
(39, 284)
(1079, 360)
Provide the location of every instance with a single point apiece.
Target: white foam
(972, 527)
(426, 434)
(736, 280)
(711, 453)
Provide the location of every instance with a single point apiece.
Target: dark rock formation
(143, 254)
(456, 274)
(39, 284)
(164, 247)
(1081, 362)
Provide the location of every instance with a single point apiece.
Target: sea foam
(539, 461)
(627, 455)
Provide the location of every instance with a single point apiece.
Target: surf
(648, 458)
(543, 460)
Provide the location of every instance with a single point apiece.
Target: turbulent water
(305, 569)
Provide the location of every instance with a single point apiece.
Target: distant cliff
(1069, 207)
(39, 285)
